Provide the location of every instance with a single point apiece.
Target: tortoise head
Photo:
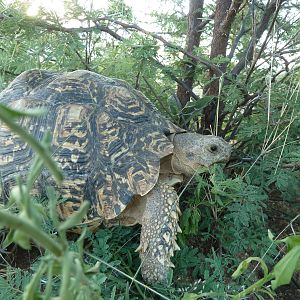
(193, 150)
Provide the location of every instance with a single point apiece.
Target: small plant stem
(48, 289)
(34, 232)
(252, 288)
(65, 292)
(34, 285)
(133, 276)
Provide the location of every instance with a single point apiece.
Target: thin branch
(173, 77)
(287, 74)
(265, 41)
(101, 28)
(157, 97)
(165, 42)
(120, 38)
(242, 32)
(204, 22)
(9, 72)
(60, 28)
(82, 60)
(231, 13)
(248, 53)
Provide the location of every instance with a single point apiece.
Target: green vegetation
(248, 94)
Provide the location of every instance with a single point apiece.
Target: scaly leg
(159, 229)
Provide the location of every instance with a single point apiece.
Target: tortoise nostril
(213, 148)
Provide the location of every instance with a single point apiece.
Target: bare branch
(265, 41)
(99, 27)
(248, 53)
(173, 77)
(250, 101)
(60, 28)
(82, 60)
(293, 41)
(242, 32)
(9, 72)
(205, 21)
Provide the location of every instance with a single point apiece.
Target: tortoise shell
(106, 136)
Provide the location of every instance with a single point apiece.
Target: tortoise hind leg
(158, 235)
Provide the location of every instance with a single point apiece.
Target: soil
(20, 258)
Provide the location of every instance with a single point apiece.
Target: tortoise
(116, 150)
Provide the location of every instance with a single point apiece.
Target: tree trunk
(192, 41)
(225, 13)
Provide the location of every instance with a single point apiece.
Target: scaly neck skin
(180, 167)
(180, 163)
(175, 163)
(166, 173)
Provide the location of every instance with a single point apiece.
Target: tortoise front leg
(159, 229)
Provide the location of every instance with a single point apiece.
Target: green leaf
(32, 289)
(285, 268)
(94, 269)
(76, 218)
(32, 230)
(197, 104)
(269, 292)
(194, 108)
(13, 113)
(190, 296)
(243, 266)
(191, 219)
(291, 241)
(270, 235)
(113, 293)
(17, 194)
(22, 239)
(38, 163)
(80, 241)
(9, 238)
(65, 291)
(53, 197)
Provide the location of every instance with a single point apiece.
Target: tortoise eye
(213, 148)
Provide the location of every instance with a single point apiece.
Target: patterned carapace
(107, 137)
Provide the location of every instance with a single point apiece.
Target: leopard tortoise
(116, 150)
